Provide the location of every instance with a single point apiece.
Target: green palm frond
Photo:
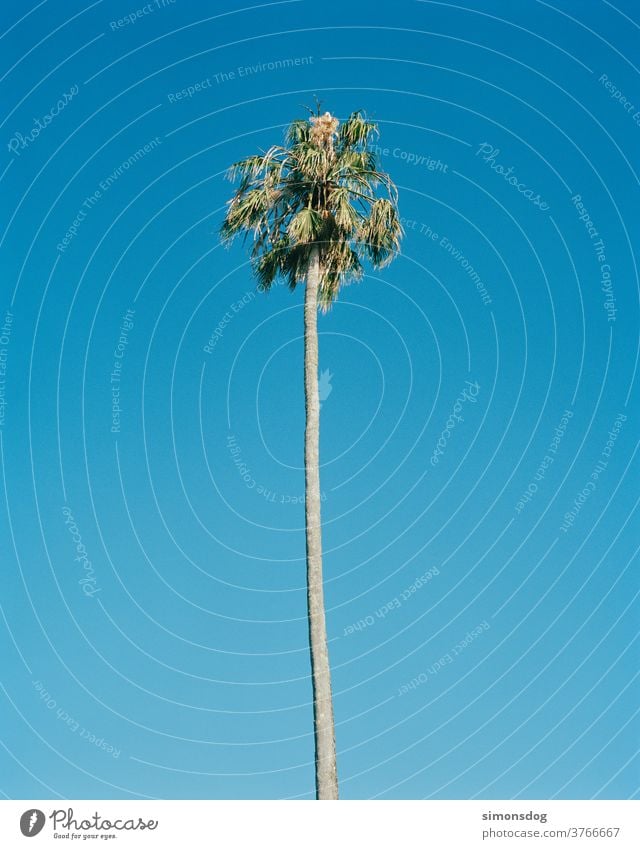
(381, 232)
(267, 266)
(347, 216)
(305, 226)
(298, 131)
(356, 131)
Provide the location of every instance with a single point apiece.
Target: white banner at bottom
(284, 824)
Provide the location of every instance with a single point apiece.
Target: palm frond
(298, 131)
(356, 131)
(322, 189)
(305, 226)
(381, 233)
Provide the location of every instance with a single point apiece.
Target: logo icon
(32, 822)
(324, 385)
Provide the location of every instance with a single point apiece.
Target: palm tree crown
(320, 192)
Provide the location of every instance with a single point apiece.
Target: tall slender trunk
(324, 732)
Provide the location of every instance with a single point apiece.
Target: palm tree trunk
(324, 732)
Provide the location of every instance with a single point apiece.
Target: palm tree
(316, 208)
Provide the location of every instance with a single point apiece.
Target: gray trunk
(324, 732)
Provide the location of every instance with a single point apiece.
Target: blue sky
(479, 416)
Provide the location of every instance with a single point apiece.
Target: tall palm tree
(316, 207)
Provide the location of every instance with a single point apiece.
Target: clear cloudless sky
(479, 424)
